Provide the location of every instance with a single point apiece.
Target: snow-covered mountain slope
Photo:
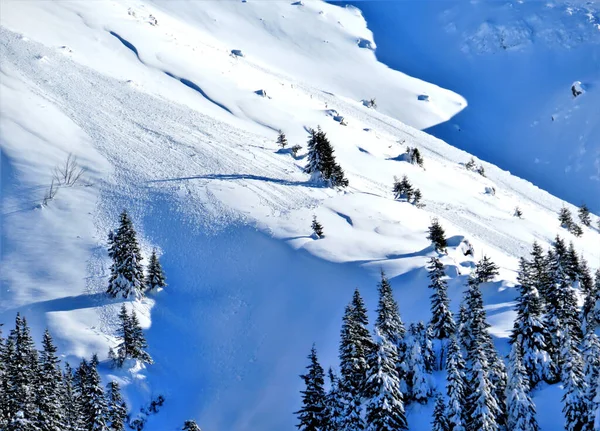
(515, 63)
(167, 122)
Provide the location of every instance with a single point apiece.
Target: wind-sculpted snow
(249, 287)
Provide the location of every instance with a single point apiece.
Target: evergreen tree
(391, 326)
(584, 215)
(574, 406)
(590, 350)
(385, 404)
(437, 236)
(521, 409)
(125, 336)
(3, 382)
(440, 422)
(190, 425)
(317, 228)
(565, 218)
(321, 161)
(155, 278)
(485, 270)
(539, 272)
(138, 341)
(94, 411)
(281, 139)
(69, 400)
(572, 264)
(127, 274)
(518, 213)
(417, 374)
(442, 322)
(418, 196)
(455, 387)
(529, 333)
(403, 189)
(424, 335)
(312, 413)
(483, 409)
(334, 406)
(117, 410)
(50, 408)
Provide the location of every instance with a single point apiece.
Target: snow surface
(168, 124)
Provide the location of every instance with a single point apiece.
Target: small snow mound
(237, 53)
(577, 89)
(365, 43)
(423, 97)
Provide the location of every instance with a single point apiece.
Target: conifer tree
(520, 407)
(385, 404)
(455, 388)
(94, 411)
(69, 400)
(588, 289)
(317, 228)
(321, 161)
(442, 322)
(417, 375)
(483, 409)
(127, 275)
(334, 406)
(565, 218)
(529, 333)
(312, 413)
(50, 411)
(518, 213)
(3, 382)
(440, 422)
(132, 344)
(424, 335)
(539, 271)
(117, 410)
(574, 406)
(572, 263)
(403, 189)
(281, 139)
(437, 236)
(139, 344)
(190, 425)
(584, 215)
(590, 350)
(155, 278)
(485, 270)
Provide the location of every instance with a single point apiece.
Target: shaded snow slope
(185, 143)
(515, 63)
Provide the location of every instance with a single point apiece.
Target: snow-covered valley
(172, 126)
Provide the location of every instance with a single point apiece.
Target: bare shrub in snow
(69, 173)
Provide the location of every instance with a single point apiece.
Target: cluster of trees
(566, 220)
(382, 372)
(127, 278)
(471, 165)
(36, 394)
(414, 156)
(132, 343)
(403, 189)
(321, 161)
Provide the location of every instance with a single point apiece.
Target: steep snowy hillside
(515, 63)
(172, 126)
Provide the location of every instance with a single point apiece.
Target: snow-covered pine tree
(482, 408)
(190, 425)
(312, 413)
(455, 387)
(155, 278)
(539, 271)
(50, 409)
(425, 336)
(127, 274)
(584, 215)
(518, 213)
(574, 406)
(437, 236)
(590, 351)
(384, 400)
(81, 390)
(69, 400)
(317, 228)
(417, 375)
(442, 322)
(124, 334)
(529, 333)
(3, 383)
(321, 161)
(565, 218)
(281, 139)
(572, 263)
(417, 197)
(117, 410)
(334, 406)
(520, 407)
(94, 411)
(485, 270)
(588, 289)
(440, 421)
(403, 189)
(138, 341)
(391, 326)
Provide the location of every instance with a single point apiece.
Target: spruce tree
(385, 404)
(117, 410)
(588, 289)
(565, 218)
(127, 275)
(590, 351)
(440, 421)
(403, 189)
(520, 407)
(138, 341)
(539, 272)
(313, 411)
(442, 322)
(3, 382)
(482, 408)
(417, 374)
(317, 228)
(572, 263)
(321, 161)
(69, 400)
(190, 425)
(281, 139)
(455, 388)
(574, 406)
(334, 406)
(125, 336)
(485, 270)
(155, 278)
(529, 333)
(50, 409)
(94, 410)
(584, 215)
(437, 236)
